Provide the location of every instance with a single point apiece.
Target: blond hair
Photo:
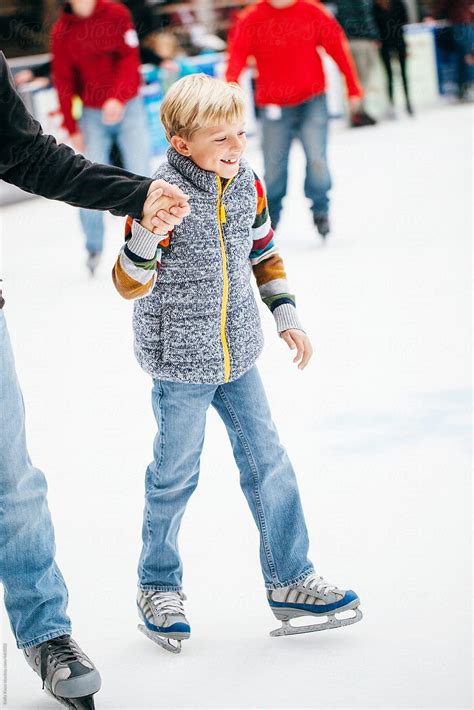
(199, 101)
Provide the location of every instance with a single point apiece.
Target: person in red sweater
(96, 57)
(283, 37)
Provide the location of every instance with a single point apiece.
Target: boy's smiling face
(217, 148)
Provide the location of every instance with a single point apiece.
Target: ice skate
(92, 261)
(316, 598)
(360, 119)
(67, 673)
(164, 619)
(321, 222)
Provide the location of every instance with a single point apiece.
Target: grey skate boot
(67, 673)
(315, 597)
(92, 262)
(321, 222)
(163, 617)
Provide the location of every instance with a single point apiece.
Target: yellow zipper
(221, 219)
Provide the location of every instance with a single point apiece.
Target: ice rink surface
(377, 427)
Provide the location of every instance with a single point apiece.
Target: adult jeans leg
(180, 411)
(98, 142)
(277, 134)
(386, 59)
(314, 123)
(133, 138)
(35, 593)
(267, 480)
(463, 40)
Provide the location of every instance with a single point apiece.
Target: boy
(197, 333)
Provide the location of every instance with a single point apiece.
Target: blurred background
(180, 38)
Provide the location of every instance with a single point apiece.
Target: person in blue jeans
(35, 592)
(308, 121)
(96, 56)
(284, 37)
(198, 335)
(131, 136)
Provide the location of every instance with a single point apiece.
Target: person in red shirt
(283, 37)
(96, 57)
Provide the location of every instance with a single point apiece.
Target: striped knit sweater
(192, 288)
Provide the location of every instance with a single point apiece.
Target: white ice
(376, 426)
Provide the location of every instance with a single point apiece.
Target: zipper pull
(223, 217)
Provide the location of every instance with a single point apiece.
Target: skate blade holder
(84, 703)
(162, 641)
(332, 622)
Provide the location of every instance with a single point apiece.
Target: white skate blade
(333, 622)
(161, 640)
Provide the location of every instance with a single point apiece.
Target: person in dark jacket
(357, 20)
(35, 592)
(391, 16)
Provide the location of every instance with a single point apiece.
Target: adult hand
(355, 104)
(165, 221)
(112, 112)
(296, 339)
(77, 139)
(23, 77)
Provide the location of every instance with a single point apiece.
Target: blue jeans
(463, 40)
(131, 135)
(307, 121)
(35, 593)
(267, 479)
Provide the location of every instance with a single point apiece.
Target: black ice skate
(321, 222)
(360, 119)
(67, 673)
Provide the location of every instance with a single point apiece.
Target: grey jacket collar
(203, 179)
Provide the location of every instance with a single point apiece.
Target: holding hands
(165, 207)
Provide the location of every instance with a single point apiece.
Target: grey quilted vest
(201, 324)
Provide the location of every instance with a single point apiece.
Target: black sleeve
(37, 164)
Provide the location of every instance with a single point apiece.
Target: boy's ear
(180, 145)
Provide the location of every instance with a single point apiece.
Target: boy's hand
(297, 339)
(166, 217)
(154, 203)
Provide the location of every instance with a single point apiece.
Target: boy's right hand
(158, 212)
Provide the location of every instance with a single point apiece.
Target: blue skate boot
(314, 597)
(163, 618)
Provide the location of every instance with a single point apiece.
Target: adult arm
(63, 76)
(334, 41)
(37, 164)
(239, 48)
(127, 66)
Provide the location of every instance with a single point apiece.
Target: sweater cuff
(143, 243)
(286, 317)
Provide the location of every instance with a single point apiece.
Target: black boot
(359, 119)
(322, 223)
(67, 673)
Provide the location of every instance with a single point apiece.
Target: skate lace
(62, 650)
(319, 584)
(168, 602)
